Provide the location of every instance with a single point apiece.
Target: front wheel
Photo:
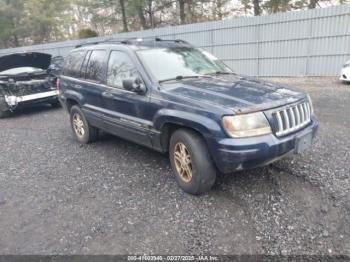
(190, 160)
(82, 130)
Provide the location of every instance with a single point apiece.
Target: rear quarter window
(73, 64)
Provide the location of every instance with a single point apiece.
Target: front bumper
(237, 154)
(345, 74)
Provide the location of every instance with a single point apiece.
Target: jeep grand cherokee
(172, 97)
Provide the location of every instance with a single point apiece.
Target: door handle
(78, 86)
(107, 94)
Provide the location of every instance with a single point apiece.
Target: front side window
(73, 64)
(172, 62)
(94, 70)
(120, 67)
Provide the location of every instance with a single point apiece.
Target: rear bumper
(12, 102)
(237, 154)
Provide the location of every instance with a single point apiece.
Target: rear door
(93, 72)
(71, 75)
(72, 68)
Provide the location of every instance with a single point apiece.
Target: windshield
(21, 70)
(171, 63)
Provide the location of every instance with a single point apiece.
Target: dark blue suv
(172, 97)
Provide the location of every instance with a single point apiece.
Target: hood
(241, 94)
(38, 60)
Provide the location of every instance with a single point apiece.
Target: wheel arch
(70, 103)
(167, 124)
(73, 98)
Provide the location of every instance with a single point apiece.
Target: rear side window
(94, 70)
(73, 64)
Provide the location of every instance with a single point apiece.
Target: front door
(125, 111)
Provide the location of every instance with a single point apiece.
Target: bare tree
(141, 15)
(182, 11)
(312, 4)
(125, 24)
(256, 4)
(150, 13)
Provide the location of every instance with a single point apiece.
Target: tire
(203, 171)
(88, 133)
(4, 114)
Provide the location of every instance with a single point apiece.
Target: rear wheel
(82, 130)
(190, 160)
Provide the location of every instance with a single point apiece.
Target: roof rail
(128, 41)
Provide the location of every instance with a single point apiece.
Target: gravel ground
(115, 197)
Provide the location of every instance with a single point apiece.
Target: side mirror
(135, 85)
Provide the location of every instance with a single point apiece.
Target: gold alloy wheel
(78, 125)
(183, 162)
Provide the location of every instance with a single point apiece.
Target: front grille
(292, 118)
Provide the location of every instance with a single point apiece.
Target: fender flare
(203, 124)
(73, 95)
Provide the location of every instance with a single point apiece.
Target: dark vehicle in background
(172, 97)
(56, 66)
(27, 79)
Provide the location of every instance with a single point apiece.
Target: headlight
(310, 103)
(254, 124)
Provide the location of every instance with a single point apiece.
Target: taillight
(58, 84)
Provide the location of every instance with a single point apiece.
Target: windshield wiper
(221, 73)
(179, 78)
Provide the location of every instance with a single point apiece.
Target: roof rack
(129, 40)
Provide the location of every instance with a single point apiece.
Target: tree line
(25, 22)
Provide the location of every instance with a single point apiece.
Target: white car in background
(345, 72)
